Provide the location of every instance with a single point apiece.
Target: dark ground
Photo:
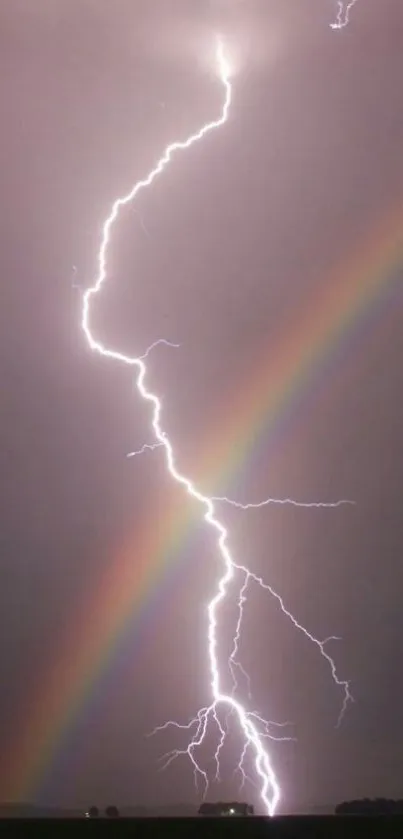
(304, 827)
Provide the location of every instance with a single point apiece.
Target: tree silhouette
(370, 807)
(112, 812)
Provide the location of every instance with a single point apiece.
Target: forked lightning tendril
(224, 705)
(343, 14)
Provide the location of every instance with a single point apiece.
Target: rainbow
(348, 298)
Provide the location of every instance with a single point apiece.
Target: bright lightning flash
(253, 727)
(343, 14)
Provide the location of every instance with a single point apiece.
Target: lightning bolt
(343, 14)
(257, 505)
(224, 705)
(250, 505)
(146, 447)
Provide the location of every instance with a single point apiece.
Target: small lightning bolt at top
(254, 729)
(343, 14)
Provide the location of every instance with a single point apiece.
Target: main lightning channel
(254, 728)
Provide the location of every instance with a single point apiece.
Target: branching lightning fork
(254, 729)
(343, 14)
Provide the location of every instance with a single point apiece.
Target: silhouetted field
(287, 827)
